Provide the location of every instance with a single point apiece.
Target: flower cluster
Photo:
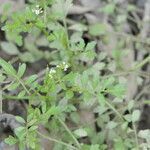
(37, 10)
(52, 72)
(63, 66)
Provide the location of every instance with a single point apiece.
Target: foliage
(73, 81)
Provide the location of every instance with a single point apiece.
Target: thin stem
(117, 74)
(1, 102)
(109, 105)
(141, 64)
(136, 137)
(114, 109)
(45, 13)
(66, 30)
(125, 35)
(21, 82)
(25, 88)
(69, 132)
(13, 97)
(141, 93)
(135, 68)
(57, 141)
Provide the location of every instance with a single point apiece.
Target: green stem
(56, 141)
(69, 132)
(141, 64)
(45, 13)
(23, 85)
(13, 97)
(132, 38)
(21, 82)
(135, 68)
(1, 102)
(25, 88)
(114, 109)
(136, 137)
(66, 30)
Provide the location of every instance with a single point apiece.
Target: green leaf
(108, 9)
(124, 126)
(61, 8)
(14, 37)
(69, 94)
(20, 132)
(21, 70)
(90, 46)
(101, 99)
(43, 106)
(108, 82)
(10, 140)
(40, 24)
(87, 96)
(81, 132)
(32, 122)
(31, 79)
(136, 115)
(121, 18)
(119, 144)
(128, 117)
(33, 128)
(21, 94)
(131, 7)
(97, 29)
(20, 119)
(131, 104)
(90, 55)
(117, 90)
(7, 67)
(2, 78)
(111, 125)
(27, 57)
(22, 145)
(95, 147)
(9, 48)
(13, 86)
(32, 144)
(145, 134)
(75, 117)
(53, 111)
(78, 27)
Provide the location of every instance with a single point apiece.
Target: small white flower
(58, 66)
(50, 76)
(63, 66)
(37, 10)
(52, 72)
(66, 67)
